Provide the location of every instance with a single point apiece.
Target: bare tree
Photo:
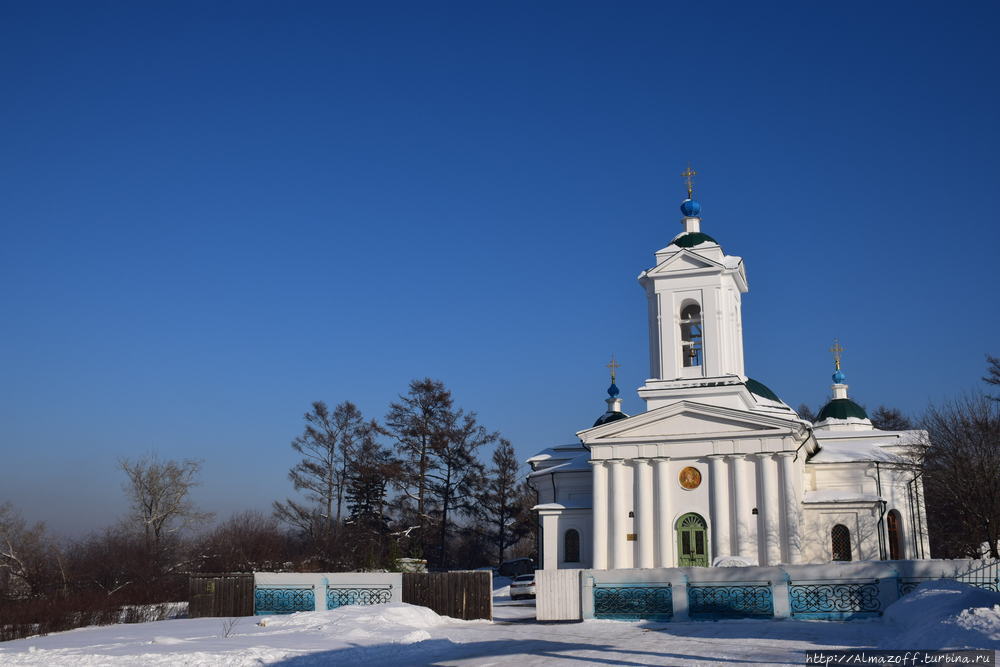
(890, 419)
(962, 487)
(29, 559)
(327, 446)
(115, 561)
(245, 542)
(806, 412)
(160, 495)
(992, 372)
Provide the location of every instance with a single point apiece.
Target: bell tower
(694, 306)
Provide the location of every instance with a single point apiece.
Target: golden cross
(688, 174)
(836, 349)
(614, 366)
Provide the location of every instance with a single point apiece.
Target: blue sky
(216, 213)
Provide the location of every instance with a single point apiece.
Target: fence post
(888, 592)
(586, 596)
(780, 596)
(320, 597)
(679, 593)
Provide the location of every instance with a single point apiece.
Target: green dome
(609, 417)
(691, 239)
(761, 390)
(841, 408)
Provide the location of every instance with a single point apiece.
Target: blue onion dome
(839, 377)
(613, 390)
(691, 207)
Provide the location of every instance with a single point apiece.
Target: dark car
(512, 568)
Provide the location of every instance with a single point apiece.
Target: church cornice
(690, 263)
(719, 423)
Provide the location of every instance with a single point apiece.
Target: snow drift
(944, 615)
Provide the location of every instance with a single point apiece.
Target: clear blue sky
(213, 214)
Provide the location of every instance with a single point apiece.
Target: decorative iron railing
(283, 599)
(730, 600)
(985, 576)
(835, 599)
(905, 586)
(830, 599)
(651, 600)
(338, 596)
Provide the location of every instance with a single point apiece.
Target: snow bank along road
(936, 615)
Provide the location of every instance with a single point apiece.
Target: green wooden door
(692, 541)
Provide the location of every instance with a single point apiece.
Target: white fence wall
(390, 582)
(557, 595)
(569, 594)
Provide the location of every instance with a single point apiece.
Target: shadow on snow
(441, 651)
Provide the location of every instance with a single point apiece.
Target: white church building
(719, 470)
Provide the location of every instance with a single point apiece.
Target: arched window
(691, 335)
(892, 522)
(571, 546)
(841, 538)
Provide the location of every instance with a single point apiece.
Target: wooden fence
(220, 594)
(465, 595)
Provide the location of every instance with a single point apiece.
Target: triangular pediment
(685, 260)
(687, 420)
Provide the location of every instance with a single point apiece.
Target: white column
(768, 504)
(599, 511)
(644, 508)
(619, 516)
(664, 521)
(746, 545)
(718, 480)
(550, 542)
(793, 550)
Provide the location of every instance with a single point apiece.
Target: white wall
(557, 595)
(556, 599)
(320, 580)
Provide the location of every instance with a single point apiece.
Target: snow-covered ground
(936, 615)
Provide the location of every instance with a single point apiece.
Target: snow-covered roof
(839, 496)
(912, 437)
(844, 452)
(561, 506)
(578, 463)
(558, 452)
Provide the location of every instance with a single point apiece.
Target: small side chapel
(719, 470)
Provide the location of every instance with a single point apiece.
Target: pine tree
(372, 471)
(498, 503)
(418, 421)
(457, 480)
